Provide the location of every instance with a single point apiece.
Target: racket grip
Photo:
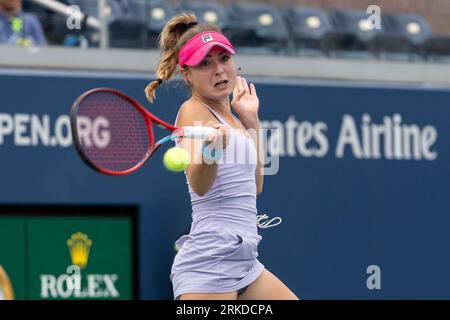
(197, 132)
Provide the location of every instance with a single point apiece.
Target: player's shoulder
(193, 107)
(193, 111)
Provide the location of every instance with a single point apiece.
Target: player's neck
(222, 106)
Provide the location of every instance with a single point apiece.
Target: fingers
(239, 84)
(239, 89)
(242, 86)
(213, 124)
(239, 95)
(245, 85)
(253, 90)
(220, 137)
(222, 130)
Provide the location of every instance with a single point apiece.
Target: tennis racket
(114, 135)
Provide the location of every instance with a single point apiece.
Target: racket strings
(120, 136)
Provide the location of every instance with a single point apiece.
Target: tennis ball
(176, 159)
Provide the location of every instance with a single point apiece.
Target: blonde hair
(177, 31)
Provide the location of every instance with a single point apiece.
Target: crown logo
(79, 246)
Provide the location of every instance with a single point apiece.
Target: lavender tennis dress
(220, 252)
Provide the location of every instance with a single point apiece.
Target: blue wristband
(212, 154)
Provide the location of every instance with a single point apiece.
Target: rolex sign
(67, 257)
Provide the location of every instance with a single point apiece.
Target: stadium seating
(308, 27)
(403, 37)
(53, 24)
(113, 7)
(154, 14)
(41, 13)
(352, 35)
(125, 31)
(208, 12)
(437, 49)
(257, 28)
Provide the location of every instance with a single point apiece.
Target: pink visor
(193, 51)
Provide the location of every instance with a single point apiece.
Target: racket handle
(196, 132)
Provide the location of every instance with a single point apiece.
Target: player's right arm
(201, 173)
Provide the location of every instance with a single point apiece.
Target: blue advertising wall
(362, 184)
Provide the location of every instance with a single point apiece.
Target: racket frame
(149, 118)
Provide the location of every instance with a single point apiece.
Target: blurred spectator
(18, 27)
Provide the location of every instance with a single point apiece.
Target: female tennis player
(218, 258)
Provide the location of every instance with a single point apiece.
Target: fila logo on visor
(207, 37)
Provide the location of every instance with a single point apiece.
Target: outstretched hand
(245, 100)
